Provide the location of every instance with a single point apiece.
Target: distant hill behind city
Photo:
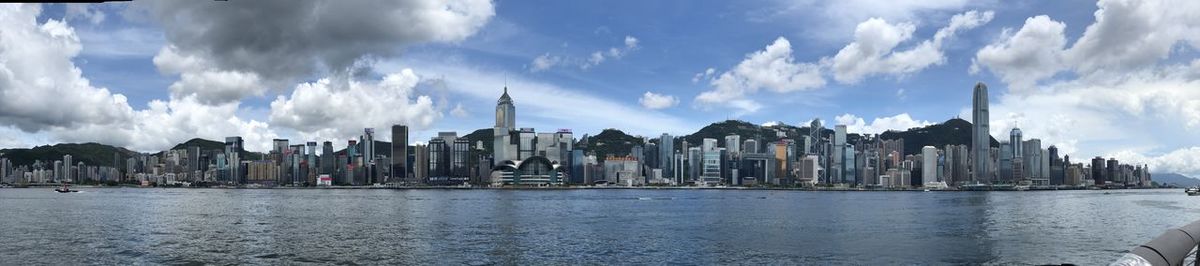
(1175, 179)
(89, 153)
(608, 142)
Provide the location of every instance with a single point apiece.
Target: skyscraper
(368, 151)
(733, 144)
(233, 146)
(67, 174)
(928, 165)
(506, 121)
(839, 160)
(666, 153)
(327, 160)
(399, 153)
(981, 140)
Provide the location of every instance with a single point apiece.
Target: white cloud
(875, 40)
(166, 123)
(656, 101)
(597, 57)
(549, 106)
(1184, 161)
(43, 92)
(855, 124)
(1022, 59)
(283, 40)
(210, 85)
(544, 62)
(40, 87)
(1126, 95)
(88, 12)
(1126, 36)
(340, 109)
(1131, 34)
(459, 111)
(705, 75)
(547, 61)
(772, 68)
(828, 21)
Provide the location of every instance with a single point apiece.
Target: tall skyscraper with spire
(506, 121)
(981, 141)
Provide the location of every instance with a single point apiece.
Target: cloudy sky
(1112, 78)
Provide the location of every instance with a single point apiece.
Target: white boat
(1192, 191)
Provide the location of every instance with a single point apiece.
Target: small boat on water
(64, 189)
(1192, 191)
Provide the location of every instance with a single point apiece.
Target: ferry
(1192, 191)
(64, 189)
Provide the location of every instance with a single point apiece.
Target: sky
(1112, 78)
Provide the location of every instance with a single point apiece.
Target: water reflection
(287, 226)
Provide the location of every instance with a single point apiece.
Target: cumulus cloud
(656, 101)
(43, 93)
(855, 124)
(283, 40)
(1184, 161)
(40, 87)
(830, 20)
(772, 68)
(1127, 36)
(1022, 59)
(1125, 96)
(337, 109)
(873, 50)
(166, 123)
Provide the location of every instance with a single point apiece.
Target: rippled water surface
(478, 227)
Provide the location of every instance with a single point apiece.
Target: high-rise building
(233, 146)
(368, 155)
(67, 174)
(839, 147)
(439, 161)
(327, 158)
(506, 122)
(733, 144)
(981, 140)
(399, 153)
(1032, 154)
(929, 167)
(420, 163)
(666, 153)
(1098, 173)
(750, 146)
(1014, 139)
(460, 155)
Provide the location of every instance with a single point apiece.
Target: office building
(399, 153)
(981, 139)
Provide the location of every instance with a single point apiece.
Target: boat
(1192, 191)
(64, 189)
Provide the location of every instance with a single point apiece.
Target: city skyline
(147, 88)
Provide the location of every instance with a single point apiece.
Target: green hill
(208, 145)
(89, 153)
(954, 131)
(611, 142)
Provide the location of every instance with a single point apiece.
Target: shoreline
(602, 188)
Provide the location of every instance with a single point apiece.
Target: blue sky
(158, 73)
